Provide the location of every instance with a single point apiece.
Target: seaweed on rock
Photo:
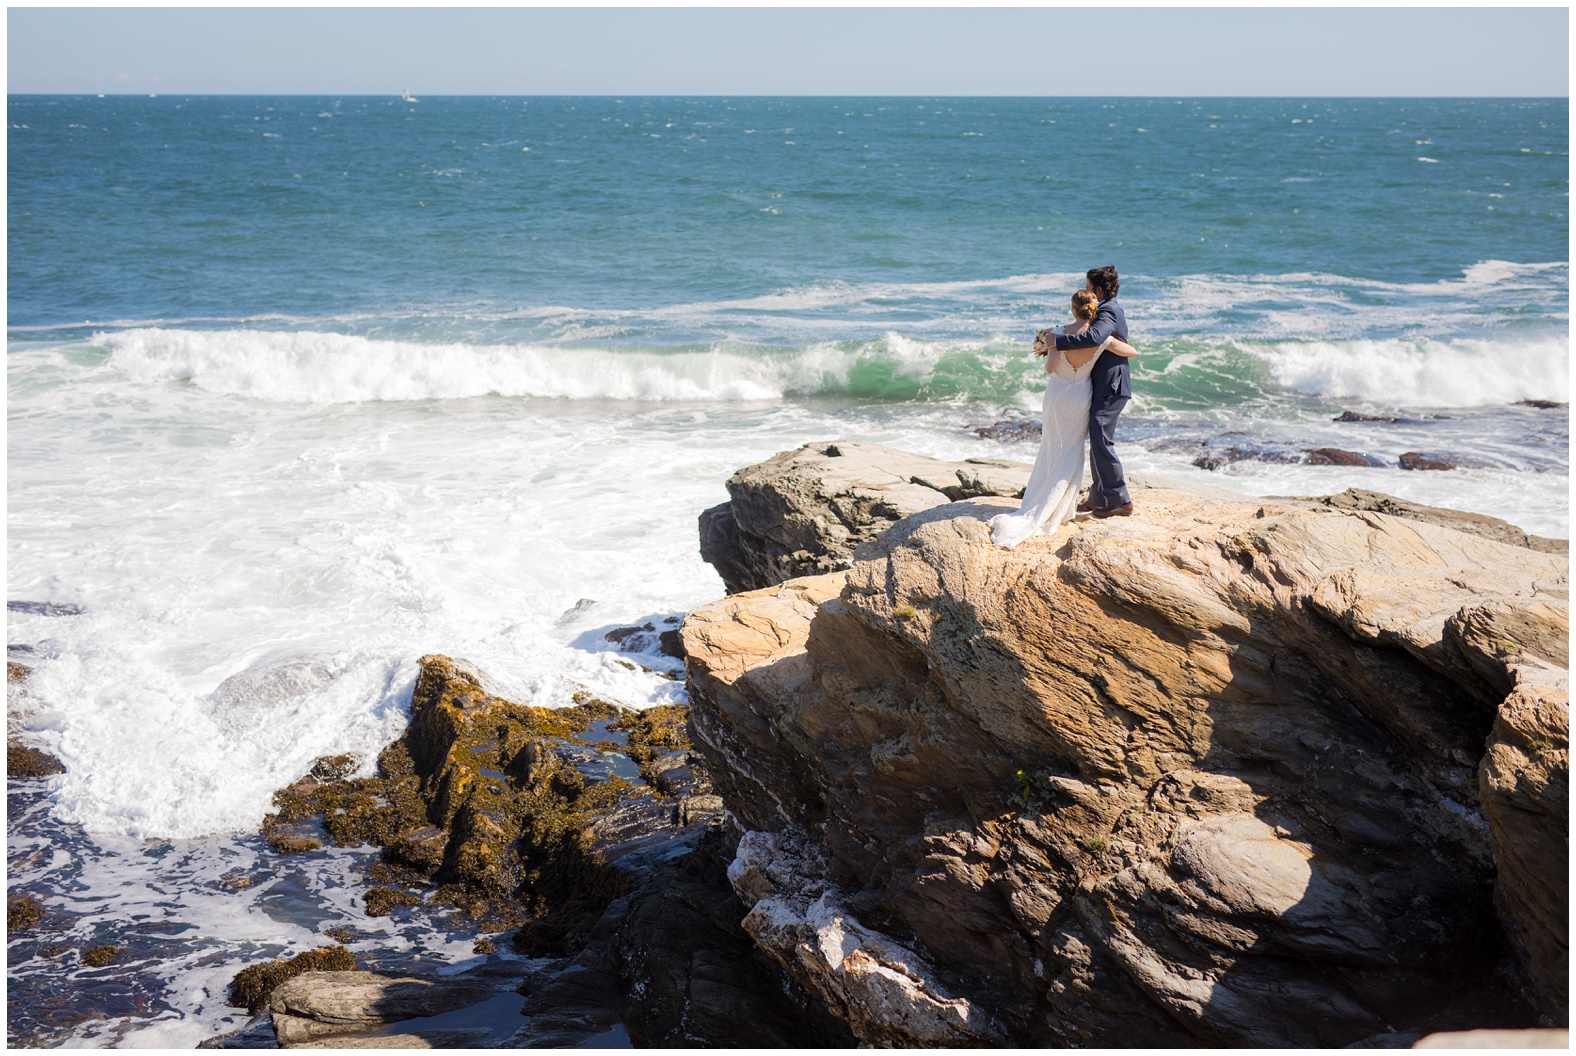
(24, 914)
(251, 986)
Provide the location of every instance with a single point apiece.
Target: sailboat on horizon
(405, 95)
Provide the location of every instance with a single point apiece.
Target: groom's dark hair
(1104, 280)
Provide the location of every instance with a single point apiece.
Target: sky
(1172, 51)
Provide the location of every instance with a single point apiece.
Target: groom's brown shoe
(1086, 507)
(1124, 510)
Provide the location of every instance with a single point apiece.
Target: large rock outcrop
(806, 511)
(1225, 772)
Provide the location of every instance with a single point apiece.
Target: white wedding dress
(1052, 493)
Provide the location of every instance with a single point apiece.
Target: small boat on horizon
(405, 95)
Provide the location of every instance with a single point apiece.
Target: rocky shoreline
(1148, 781)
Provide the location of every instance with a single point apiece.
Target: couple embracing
(1086, 390)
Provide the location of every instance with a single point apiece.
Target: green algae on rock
(501, 805)
(251, 986)
(99, 956)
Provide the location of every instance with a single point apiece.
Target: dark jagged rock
(1353, 416)
(693, 977)
(1544, 405)
(1016, 431)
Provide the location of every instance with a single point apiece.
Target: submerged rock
(1354, 416)
(45, 608)
(1417, 460)
(1334, 456)
(1152, 781)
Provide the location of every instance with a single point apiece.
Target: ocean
(302, 389)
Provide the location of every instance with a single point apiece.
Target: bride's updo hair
(1085, 306)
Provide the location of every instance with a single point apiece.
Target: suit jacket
(1110, 377)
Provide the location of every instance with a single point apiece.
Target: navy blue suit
(1112, 388)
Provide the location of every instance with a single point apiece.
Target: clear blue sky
(793, 51)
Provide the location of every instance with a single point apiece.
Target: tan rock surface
(1251, 738)
(1497, 1039)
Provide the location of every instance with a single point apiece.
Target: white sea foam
(325, 368)
(1424, 373)
(314, 367)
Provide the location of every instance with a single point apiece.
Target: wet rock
(805, 511)
(1417, 460)
(452, 1038)
(569, 1008)
(258, 1033)
(1334, 456)
(1353, 416)
(1015, 431)
(1214, 458)
(1358, 499)
(691, 976)
(23, 762)
(45, 608)
(1243, 770)
(286, 843)
(1545, 405)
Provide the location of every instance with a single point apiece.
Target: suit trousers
(1107, 484)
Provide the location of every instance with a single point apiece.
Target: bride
(1053, 487)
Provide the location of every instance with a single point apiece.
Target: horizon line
(741, 95)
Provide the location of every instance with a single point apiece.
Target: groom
(1107, 486)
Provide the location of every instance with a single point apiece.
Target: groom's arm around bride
(1111, 390)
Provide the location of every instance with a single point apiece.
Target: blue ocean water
(301, 389)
